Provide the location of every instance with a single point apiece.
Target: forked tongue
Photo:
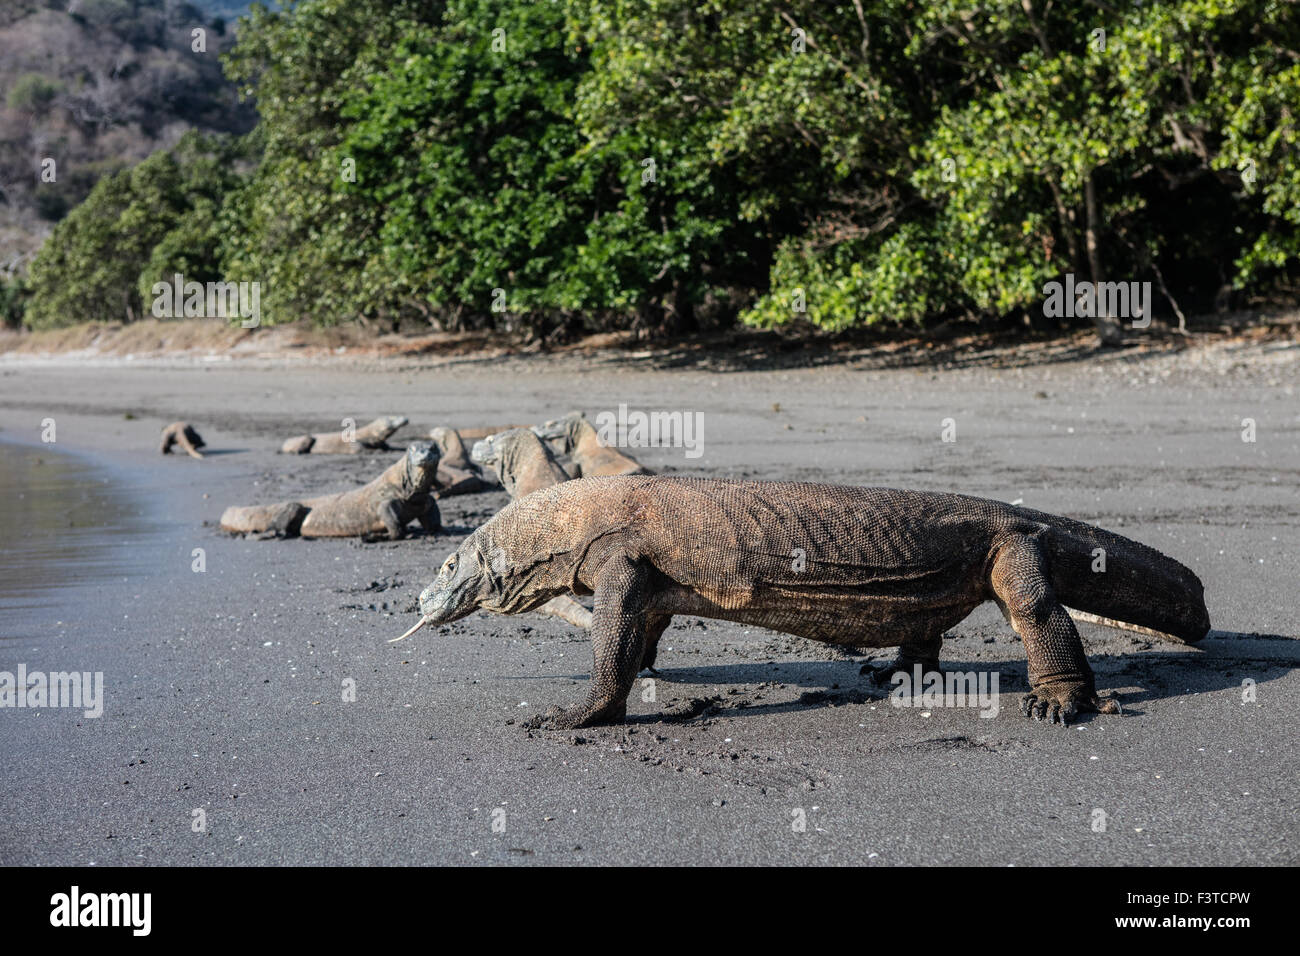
(418, 624)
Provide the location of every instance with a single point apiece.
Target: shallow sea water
(64, 524)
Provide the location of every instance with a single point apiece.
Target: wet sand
(224, 687)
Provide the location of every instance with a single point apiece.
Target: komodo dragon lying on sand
(183, 434)
(521, 460)
(375, 435)
(577, 438)
(384, 506)
(859, 567)
(485, 431)
(457, 475)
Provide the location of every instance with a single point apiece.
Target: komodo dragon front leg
(389, 511)
(618, 638)
(1060, 680)
(431, 518)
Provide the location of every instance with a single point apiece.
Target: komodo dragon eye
(448, 567)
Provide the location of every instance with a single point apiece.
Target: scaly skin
(521, 460)
(525, 464)
(372, 436)
(184, 435)
(575, 437)
(858, 567)
(485, 431)
(403, 493)
(457, 475)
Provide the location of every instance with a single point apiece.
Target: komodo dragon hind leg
(1060, 680)
(924, 652)
(617, 644)
(655, 625)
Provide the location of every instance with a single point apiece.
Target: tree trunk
(1108, 330)
(680, 318)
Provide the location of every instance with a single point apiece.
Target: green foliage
(135, 228)
(674, 163)
(294, 228)
(465, 163)
(13, 300)
(33, 92)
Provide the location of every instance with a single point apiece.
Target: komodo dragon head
(567, 429)
(449, 444)
(516, 455)
(489, 452)
(520, 559)
(421, 472)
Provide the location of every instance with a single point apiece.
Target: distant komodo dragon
(858, 567)
(485, 431)
(403, 493)
(520, 459)
(524, 464)
(372, 436)
(575, 437)
(183, 434)
(457, 475)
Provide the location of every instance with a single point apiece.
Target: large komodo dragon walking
(403, 493)
(183, 434)
(860, 567)
(346, 442)
(578, 439)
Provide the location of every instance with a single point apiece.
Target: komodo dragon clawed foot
(571, 718)
(1062, 703)
(1060, 679)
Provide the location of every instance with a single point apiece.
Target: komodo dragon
(457, 475)
(521, 460)
(384, 506)
(524, 464)
(373, 436)
(183, 434)
(485, 431)
(575, 437)
(859, 567)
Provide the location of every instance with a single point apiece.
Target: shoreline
(203, 342)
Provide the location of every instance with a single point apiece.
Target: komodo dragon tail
(1118, 582)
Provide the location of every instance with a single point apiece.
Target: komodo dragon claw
(571, 718)
(1064, 704)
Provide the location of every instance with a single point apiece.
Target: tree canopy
(672, 164)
